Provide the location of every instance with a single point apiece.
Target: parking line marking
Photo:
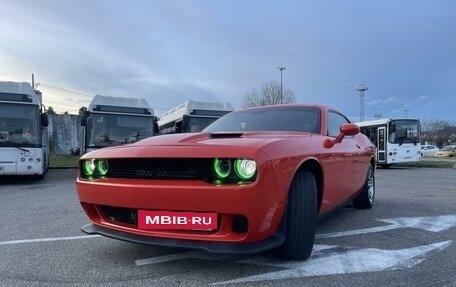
(11, 242)
(429, 223)
(347, 261)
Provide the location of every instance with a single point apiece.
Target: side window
(335, 120)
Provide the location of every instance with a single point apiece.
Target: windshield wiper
(11, 144)
(22, 149)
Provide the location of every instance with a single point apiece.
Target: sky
(218, 51)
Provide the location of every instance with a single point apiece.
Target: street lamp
(281, 87)
(361, 89)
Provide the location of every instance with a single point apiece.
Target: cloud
(374, 102)
(422, 98)
(392, 100)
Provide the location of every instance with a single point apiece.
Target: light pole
(361, 89)
(405, 113)
(281, 87)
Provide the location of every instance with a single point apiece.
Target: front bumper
(260, 202)
(213, 247)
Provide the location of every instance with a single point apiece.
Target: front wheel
(301, 216)
(366, 198)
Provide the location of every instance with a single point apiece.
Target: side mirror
(44, 120)
(84, 117)
(392, 127)
(156, 128)
(185, 128)
(349, 129)
(345, 130)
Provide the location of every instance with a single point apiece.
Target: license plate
(176, 220)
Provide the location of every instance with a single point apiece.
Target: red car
(255, 179)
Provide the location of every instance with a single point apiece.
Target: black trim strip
(210, 246)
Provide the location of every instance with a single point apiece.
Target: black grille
(123, 215)
(154, 168)
(240, 224)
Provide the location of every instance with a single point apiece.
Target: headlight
(233, 170)
(245, 168)
(222, 168)
(102, 167)
(94, 168)
(88, 167)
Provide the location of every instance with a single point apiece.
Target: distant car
(448, 151)
(255, 179)
(428, 150)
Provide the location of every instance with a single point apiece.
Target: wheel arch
(315, 168)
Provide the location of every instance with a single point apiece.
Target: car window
(335, 120)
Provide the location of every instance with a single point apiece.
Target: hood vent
(225, 135)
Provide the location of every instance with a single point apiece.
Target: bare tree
(270, 95)
(50, 111)
(436, 131)
(82, 110)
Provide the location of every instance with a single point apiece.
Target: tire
(301, 216)
(366, 198)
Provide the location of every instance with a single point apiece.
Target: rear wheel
(301, 217)
(366, 198)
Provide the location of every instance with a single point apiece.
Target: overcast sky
(173, 51)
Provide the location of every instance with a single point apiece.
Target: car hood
(198, 144)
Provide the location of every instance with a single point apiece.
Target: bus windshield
(112, 129)
(19, 125)
(197, 124)
(404, 131)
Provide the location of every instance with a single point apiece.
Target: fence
(64, 133)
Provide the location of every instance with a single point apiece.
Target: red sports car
(255, 179)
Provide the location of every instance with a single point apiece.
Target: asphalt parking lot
(407, 239)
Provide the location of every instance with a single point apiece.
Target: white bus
(192, 116)
(397, 140)
(24, 141)
(116, 120)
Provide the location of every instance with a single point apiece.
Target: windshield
(110, 129)
(19, 125)
(300, 119)
(404, 131)
(447, 148)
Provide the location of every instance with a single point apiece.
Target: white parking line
(11, 242)
(429, 223)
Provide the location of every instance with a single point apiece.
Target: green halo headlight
(222, 168)
(245, 168)
(102, 167)
(88, 167)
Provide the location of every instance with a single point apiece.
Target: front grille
(155, 168)
(240, 224)
(122, 215)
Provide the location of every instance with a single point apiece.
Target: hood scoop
(225, 135)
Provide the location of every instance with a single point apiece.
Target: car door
(343, 165)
